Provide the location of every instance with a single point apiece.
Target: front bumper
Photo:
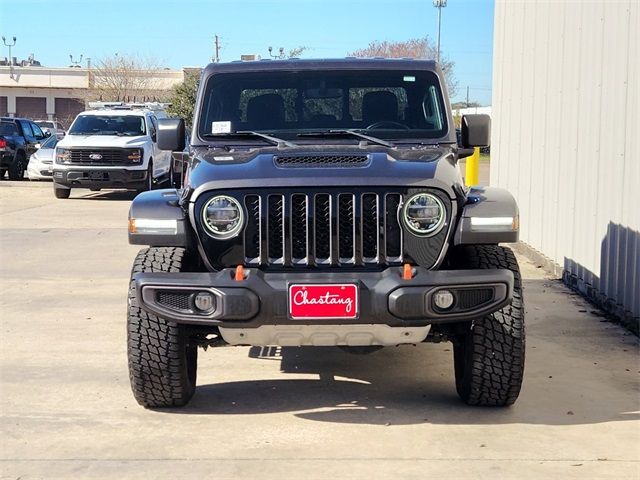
(76, 177)
(385, 298)
(39, 171)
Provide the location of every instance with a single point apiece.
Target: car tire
(17, 168)
(489, 355)
(61, 192)
(162, 362)
(3, 172)
(148, 183)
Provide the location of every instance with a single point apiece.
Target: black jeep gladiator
(323, 205)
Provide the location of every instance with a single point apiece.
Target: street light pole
(439, 4)
(4, 40)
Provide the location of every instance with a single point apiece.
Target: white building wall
(565, 138)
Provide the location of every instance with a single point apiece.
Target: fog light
(204, 301)
(443, 299)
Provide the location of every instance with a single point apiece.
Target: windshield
(388, 103)
(128, 125)
(50, 142)
(45, 124)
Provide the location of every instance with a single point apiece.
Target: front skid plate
(324, 335)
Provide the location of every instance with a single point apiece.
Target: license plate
(97, 175)
(323, 301)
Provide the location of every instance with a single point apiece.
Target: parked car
(323, 205)
(41, 162)
(111, 147)
(51, 126)
(19, 139)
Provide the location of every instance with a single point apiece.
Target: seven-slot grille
(111, 156)
(323, 229)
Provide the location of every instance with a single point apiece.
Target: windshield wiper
(354, 133)
(279, 142)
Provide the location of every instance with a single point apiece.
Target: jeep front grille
(323, 229)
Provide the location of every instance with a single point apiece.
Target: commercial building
(565, 128)
(58, 93)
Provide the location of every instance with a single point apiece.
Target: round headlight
(424, 214)
(223, 217)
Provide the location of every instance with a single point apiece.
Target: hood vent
(321, 161)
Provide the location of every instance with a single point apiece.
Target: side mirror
(171, 134)
(47, 133)
(476, 131)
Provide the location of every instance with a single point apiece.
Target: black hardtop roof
(349, 63)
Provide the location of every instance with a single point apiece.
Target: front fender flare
(157, 219)
(490, 216)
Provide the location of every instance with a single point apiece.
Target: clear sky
(180, 33)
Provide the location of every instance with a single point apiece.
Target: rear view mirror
(171, 134)
(476, 131)
(322, 93)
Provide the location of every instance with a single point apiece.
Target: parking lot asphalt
(67, 410)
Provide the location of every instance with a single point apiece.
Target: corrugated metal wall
(566, 138)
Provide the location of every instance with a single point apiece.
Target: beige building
(566, 96)
(57, 93)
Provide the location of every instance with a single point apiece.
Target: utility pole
(439, 4)
(467, 96)
(4, 40)
(216, 42)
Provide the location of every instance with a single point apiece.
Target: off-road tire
(61, 192)
(162, 362)
(17, 168)
(489, 356)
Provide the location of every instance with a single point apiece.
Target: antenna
(75, 63)
(280, 54)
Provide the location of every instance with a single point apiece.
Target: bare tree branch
(412, 48)
(126, 78)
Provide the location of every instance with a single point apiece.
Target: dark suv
(323, 205)
(19, 139)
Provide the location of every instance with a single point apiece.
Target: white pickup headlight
(223, 217)
(424, 214)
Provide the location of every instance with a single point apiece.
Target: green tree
(183, 98)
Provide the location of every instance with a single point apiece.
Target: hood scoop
(321, 161)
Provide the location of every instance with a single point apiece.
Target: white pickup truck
(112, 146)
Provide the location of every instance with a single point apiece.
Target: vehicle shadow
(394, 386)
(117, 195)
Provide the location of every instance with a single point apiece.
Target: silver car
(52, 127)
(41, 162)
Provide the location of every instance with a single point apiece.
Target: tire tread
(497, 341)
(158, 368)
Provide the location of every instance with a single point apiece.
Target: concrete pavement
(67, 410)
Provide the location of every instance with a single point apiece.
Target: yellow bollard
(472, 168)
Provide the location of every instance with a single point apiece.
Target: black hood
(264, 168)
